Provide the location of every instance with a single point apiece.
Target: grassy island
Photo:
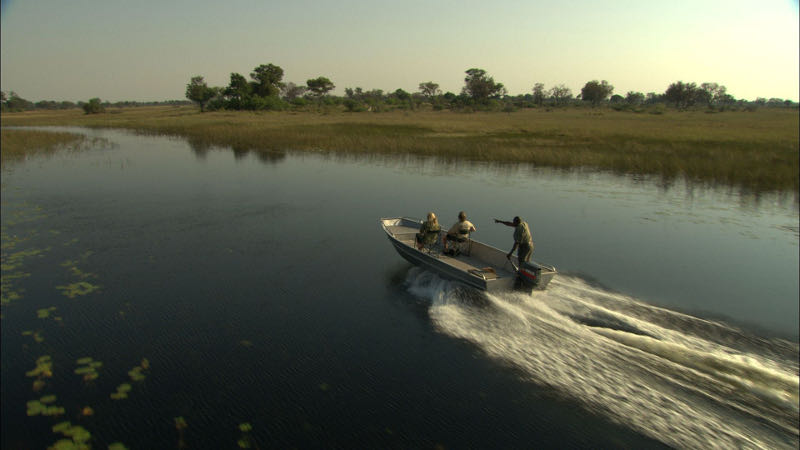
(755, 150)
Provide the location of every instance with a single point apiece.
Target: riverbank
(752, 150)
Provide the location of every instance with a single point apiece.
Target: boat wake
(685, 381)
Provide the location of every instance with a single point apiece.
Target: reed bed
(753, 150)
(16, 145)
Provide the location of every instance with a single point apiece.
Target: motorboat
(471, 262)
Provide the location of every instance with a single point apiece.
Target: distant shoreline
(755, 151)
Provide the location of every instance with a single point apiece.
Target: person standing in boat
(523, 242)
(459, 232)
(429, 231)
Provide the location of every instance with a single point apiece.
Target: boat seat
(460, 243)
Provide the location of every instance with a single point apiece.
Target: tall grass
(754, 150)
(16, 145)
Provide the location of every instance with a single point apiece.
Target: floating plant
(45, 312)
(78, 289)
(37, 335)
(122, 392)
(136, 372)
(43, 407)
(88, 368)
(245, 441)
(79, 436)
(44, 368)
(117, 446)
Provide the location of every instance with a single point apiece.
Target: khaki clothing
(522, 234)
(460, 230)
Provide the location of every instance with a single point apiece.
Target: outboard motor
(533, 276)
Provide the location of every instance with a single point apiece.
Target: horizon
(148, 51)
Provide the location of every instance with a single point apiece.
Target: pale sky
(147, 50)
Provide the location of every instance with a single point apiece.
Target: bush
(351, 105)
(93, 107)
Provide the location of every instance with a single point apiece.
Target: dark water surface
(259, 290)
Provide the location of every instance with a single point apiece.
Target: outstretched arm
(509, 224)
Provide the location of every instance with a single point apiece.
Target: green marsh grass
(18, 144)
(752, 150)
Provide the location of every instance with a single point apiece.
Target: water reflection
(201, 147)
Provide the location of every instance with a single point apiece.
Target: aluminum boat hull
(478, 265)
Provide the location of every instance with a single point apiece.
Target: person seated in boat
(523, 242)
(458, 233)
(428, 232)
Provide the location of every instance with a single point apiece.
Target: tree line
(13, 102)
(266, 90)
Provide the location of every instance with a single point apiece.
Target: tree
(430, 90)
(560, 94)
(238, 91)
(319, 86)
(267, 80)
(482, 87)
(682, 95)
(93, 107)
(596, 91)
(538, 94)
(402, 95)
(198, 91)
(634, 98)
(291, 91)
(17, 103)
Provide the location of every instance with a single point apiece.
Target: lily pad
(78, 289)
(180, 423)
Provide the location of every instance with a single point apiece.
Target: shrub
(93, 107)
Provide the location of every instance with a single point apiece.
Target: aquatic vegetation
(180, 423)
(7, 291)
(180, 426)
(43, 407)
(754, 150)
(44, 368)
(88, 368)
(37, 335)
(78, 436)
(122, 392)
(136, 373)
(245, 441)
(72, 265)
(117, 446)
(45, 312)
(80, 288)
(19, 145)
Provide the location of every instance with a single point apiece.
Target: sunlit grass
(756, 150)
(18, 144)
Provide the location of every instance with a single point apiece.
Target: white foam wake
(677, 378)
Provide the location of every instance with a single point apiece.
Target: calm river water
(162, 295)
